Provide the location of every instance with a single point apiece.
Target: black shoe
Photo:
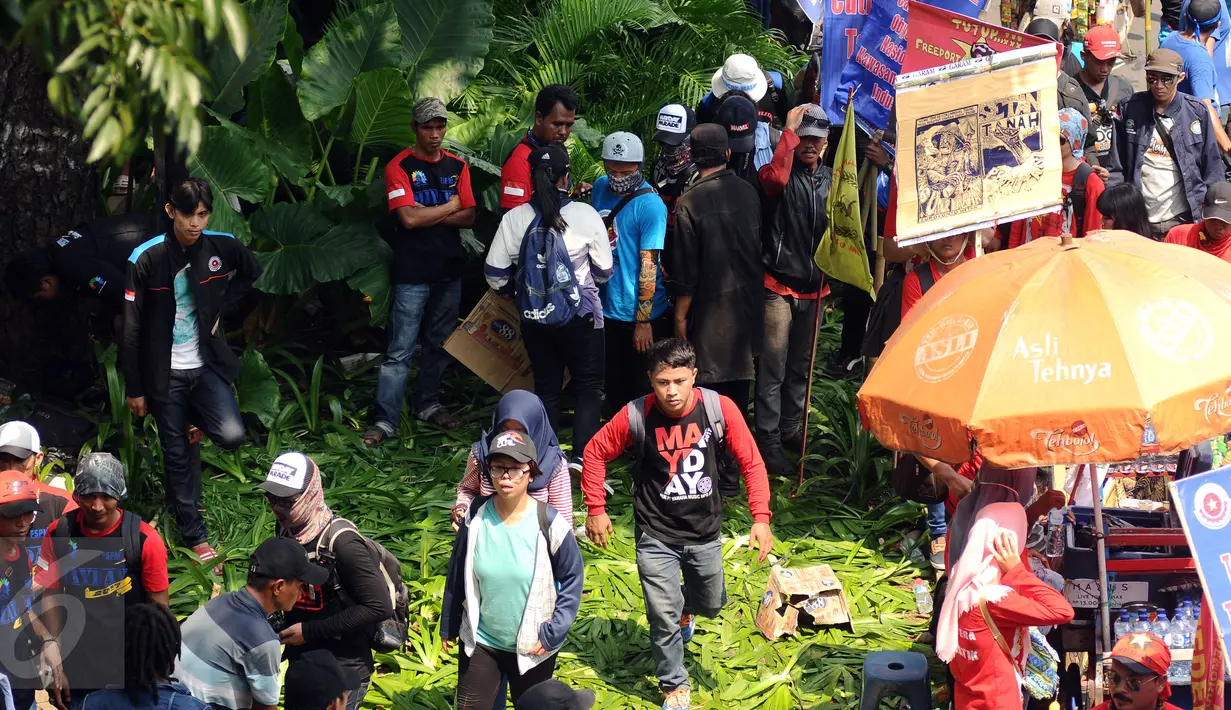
(776, 463)
(792, 441)
(840, 367)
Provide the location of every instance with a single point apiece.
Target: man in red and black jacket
(174, 352)
(555, 111)
(675, 435)
(429, 193)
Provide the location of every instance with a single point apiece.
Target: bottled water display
(1142, 623)
(1121, 628)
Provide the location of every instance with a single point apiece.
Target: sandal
(443, 420)
(205, 553)
(373, 436)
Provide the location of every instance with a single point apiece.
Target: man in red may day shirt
(674, 433)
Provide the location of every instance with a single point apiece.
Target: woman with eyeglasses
(521, 411)
(514, 582)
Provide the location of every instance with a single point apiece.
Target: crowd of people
(670, 296)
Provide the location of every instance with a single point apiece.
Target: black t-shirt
(428, 254)
(1169, 10)
(677, 493)
(1102, 108)
(16, 647)
(92, 258)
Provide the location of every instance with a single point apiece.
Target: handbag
(1040, 676)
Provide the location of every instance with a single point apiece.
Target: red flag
(937, 37)
(1208, 663)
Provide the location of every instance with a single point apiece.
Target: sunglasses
(511, 473)
(1164, 79)
(1132, 682)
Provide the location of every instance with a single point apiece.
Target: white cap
(624, 147)
(674, 123)
(19, 439)
(288, 476)
(740, 73)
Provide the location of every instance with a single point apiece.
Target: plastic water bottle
(1122, 625)
(1142, 624)
(1055, 533)
(923, 597)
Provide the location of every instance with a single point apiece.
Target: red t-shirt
(515, 183)
(1052, 223)
(984, 677)
(1193, 235)
(154, 577)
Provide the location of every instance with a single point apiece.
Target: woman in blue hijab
(522, 411)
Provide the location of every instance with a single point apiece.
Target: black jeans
(856, 305)
(363, 671)
(478, 676)
(577, 346)
(202, 397)
(627, 376)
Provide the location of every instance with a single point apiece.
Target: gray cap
(429, 108)
(100, 472)
(815, 123)
(18, 439)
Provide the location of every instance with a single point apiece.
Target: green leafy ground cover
(401, 493)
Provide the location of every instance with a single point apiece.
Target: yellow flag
(841, 254)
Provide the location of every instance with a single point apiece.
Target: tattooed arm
(647, 283)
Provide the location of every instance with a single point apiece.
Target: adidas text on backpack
(547, 290)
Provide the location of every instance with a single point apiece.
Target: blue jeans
(426, 314)
(937, 527)
(659, 565)
(202, 397)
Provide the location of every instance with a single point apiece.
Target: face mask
(677, 158)
(623, 185)
(957, 256)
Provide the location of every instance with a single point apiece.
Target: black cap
(555, 157)
(1204, 12)
(284, 558)
(739, 116)
(1217, 203)
(1043, 27)
(710, 136)
(555, 695)
(515, 445)
(315, 679)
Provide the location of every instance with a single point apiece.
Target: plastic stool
(895, 672)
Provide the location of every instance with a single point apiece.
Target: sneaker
(688, 626)
(937, 556)
(678, 699)
(840, 367)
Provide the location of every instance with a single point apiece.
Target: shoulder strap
(636, 421)
(991, 625)
(610, 218)
(329, 534)
(927, 279)
(1077, 198)
(544, 524)
(1165, 135)
(130, 530)
(713, 411)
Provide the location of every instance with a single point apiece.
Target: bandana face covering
(306, 515)
(623, 185)
(677, 158)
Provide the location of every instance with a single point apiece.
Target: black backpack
(130, 534)
(887, 313)
(392, 633)
(1076, 199)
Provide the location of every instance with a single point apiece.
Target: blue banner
(843, 20)
(1205, 511)
(876, 59)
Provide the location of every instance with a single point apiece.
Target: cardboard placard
(489, 343)
(814, 591)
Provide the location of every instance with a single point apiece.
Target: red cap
(1103, 42)
(18, 495)
(1144, 653)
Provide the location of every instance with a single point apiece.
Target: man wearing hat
(1138, 678)
(230, 654)
(1164, 145)
(107, 558)
(634, 298)
(1211, 235)
(796, 188)
(717, 274)
(1068, 90)
(738, 115)
(674, 169)
(18, 506)
(1103, 91)
(741, 75)
(316, 681)
(428, 191)
(20, 451)
(1200, 23)
(556, 695)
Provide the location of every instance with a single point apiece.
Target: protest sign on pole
(940, 37)
(840, 31)
(1205, 512)
(976, 144)
(1208, 670)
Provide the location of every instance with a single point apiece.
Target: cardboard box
(489, 343)
(814, 591)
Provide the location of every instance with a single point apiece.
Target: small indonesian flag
(130, 295)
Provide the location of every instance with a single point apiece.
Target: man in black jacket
(177, 365)
(796, 187)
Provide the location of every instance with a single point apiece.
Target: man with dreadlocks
(151, 645)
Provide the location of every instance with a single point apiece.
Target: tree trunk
(47, 188)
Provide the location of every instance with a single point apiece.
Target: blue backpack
(547, 289)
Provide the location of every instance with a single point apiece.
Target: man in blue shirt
(1194, 44)
(634, 300)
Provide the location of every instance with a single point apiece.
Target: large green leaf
(443, 43)
(233, 169)
(367, 40)
(228, 73)
(224, 218)
(382, 111)
(308, 249)
(373, 282)
(292, 46)
(273, 114)
(256, 389)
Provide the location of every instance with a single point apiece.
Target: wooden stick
(803, 445)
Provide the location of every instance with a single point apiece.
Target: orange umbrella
(1060, 353)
